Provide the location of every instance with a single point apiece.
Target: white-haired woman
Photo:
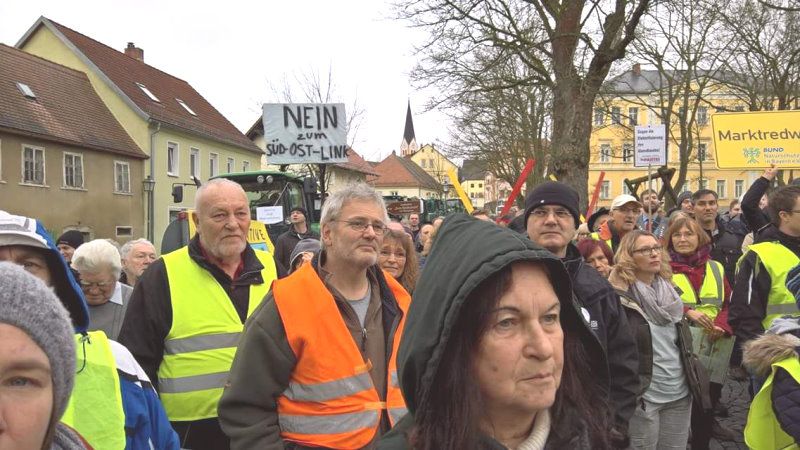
(99, 265)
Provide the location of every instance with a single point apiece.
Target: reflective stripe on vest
(712, 290)
(778, 261)
(596, 237)
(95, 407)
(763, 431)
(331, 400)
(201, 344)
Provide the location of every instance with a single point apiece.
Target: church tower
(409, 145)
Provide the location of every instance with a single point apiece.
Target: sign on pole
(756, 140)
(305, 133)
(650, 145)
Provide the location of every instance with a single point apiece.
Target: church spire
(409, 144)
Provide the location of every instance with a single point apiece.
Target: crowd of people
(539, 330)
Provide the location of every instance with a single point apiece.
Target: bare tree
(568, 47)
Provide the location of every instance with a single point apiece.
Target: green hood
(466, 252)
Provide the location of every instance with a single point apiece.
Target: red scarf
(693, 266)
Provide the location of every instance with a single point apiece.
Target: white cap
(624, 199)
(19, 230)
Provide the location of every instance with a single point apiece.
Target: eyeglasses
(541, 213)
(101, 284)
(651, 250)
(630, 210)
(361, 226)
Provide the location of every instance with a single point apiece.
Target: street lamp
(149, 185)
(446, 190)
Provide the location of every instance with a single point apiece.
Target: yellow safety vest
(778, 260)
(596, 237)
(95, 407)
(712, 291)
(763, 431)
(201, 344)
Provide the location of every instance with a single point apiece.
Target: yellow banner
(461, 194)
(755, 140)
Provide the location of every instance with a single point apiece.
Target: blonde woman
(670, 376)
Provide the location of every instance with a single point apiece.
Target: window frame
(605, 190)
(194, 160)
(230, 165)
(599, 116)
(633, 115)
(616, 115)
(738, 188)
(117, 165)
(213, 165)
(702, 151)
(35, 148)
(175, 159)
(722, 193)
(605, 157)
(702, 119)
(245, 165)
(148, 92)
(64, 171)
(627, 152)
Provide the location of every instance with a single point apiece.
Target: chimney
(637, 69)
(134, 52)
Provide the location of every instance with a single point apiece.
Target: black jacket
(467, 252)
(755, 217)
(286, 243)
(751, 292)
(726, 245)
(608, 321)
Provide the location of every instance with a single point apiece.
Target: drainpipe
(150, 195)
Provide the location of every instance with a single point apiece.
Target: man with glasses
(316, 364)
(188, 309)
(551, 215)
(625, 211)
(760, 295)
(726, 238)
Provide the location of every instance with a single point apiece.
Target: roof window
(26, 90)
(148, 93)
(186, 107)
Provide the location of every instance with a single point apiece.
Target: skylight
(148, 93)
(186, 107)
(26, 90)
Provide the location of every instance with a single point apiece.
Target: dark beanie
(301, 209)
(73, 238)
(553, 193)
(683, 196)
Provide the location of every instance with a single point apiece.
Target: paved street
(735, 396)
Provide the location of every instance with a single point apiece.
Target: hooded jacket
(483, 249)
(146, 423)
(610, 323)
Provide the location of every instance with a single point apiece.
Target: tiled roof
(403, 172)
(647, 81)
(472, 169)
(66, 108)
(125, 72)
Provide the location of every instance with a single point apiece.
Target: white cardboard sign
(650, 146)
(305, 133)
(269, 214)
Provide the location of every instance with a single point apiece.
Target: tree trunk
(572, 128)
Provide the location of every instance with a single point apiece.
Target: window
(148, 93)
(245, 166)
(702, 184)
(229, 167)
(702, 151)
(73, 170)
(394, 193)
(599, 116)
(33, 170)
(702, 115)
(430, 163)
(633, 116)
(738, 188)
(605, 153)
(616, 115)
(626, 189)
(627, 152)
(194, 162)
(605, 190)
(685, 187)
(26, 90)
(124, 231)
(122, 177)
(186, 107)
(739, 108)
(213, 165)
(172, 158)
(480, 185)
(422, 164)
(721, 189)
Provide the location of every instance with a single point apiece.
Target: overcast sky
(233, 51)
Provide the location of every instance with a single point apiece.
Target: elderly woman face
(599, 261)
(520, 357)
(392, 257)
(98, 286)
(26, 391)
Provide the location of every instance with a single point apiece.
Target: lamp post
(446, 190)
(149, 185)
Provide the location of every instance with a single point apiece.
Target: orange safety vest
(331, 400)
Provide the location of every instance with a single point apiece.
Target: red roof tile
(398, 171)
(66, 108)
(125, 72)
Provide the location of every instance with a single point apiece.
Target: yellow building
(627, 103)
(184, 135)
(433, 162)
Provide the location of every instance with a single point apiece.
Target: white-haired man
(188, 310)
(316, 365)
(137, 255)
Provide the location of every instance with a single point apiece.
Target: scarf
(686, 263)
(541, 429)
(659, 301)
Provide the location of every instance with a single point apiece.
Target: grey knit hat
(306, 245)
(28, 304)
